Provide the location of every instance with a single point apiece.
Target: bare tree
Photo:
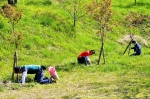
(13, 16)
(76, 9)
(101, 12)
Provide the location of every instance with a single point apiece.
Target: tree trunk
(134, 2)
(103, 52)
(74, 23)
(15, 64)
(101, 49)
(74, 20)
(100, 54)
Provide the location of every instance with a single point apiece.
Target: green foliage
(13, 17)
(48, 19)
(2, 88)
(1, 24)
(39, 3)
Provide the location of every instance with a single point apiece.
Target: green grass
(50, 39)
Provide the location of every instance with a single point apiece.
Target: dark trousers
(82, 60)
(40, 78)
(136, 53)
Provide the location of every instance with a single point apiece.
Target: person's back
(32, 69)
(85, 53)
(137, 48)
(28, 69)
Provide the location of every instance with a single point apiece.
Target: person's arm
(24, 74)
(133, 47)
(88, 59)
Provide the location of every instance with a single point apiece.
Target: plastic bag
(53, 72)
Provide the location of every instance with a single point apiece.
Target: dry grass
(127, 39)
(83, 85)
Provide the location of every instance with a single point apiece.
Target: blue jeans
(40, 78)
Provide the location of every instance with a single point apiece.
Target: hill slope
(50, 39)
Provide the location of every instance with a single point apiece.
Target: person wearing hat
(83, 58)
(32, 69)
(137, 48)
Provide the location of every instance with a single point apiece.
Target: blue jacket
(137, 49)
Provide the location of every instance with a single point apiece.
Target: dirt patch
(126, 39)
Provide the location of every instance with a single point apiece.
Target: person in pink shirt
(83, 57)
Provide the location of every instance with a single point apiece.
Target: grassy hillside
(50, 39)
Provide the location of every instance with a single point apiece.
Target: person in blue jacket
(137, 48)
(33, 69)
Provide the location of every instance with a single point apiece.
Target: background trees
(75, 8)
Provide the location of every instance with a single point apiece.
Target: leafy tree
(100, 11)
(76, 9)
(13, 16)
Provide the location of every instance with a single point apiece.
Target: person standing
(83, 58)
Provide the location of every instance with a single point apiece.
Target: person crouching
(33, 69)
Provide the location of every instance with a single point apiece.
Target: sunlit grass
(50, 39)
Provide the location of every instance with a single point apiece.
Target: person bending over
(83, 58)
(32, 69)
(137, 48)
(40, 78)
